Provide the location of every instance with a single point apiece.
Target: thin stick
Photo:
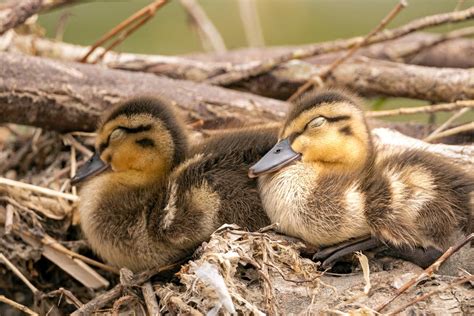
(73, 164)
(62, 291)
(246, 71)
(9, 219)
(69, 139)
(448, 122)
(459, 5)
(18, 273)
(47, 240)
(389, 17)
(251, 23)
(148, 10)
(61, 26)
(64, 172)
(459, 281)
(453, 131)
(123, 37)
(428, 271)
(18, 306)
(211, 39)
(172, 300)
(445, 107)
(114, 293)
(425, 44)
(150, 299)
(34, 188)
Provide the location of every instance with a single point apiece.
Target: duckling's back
(225, 160)
(428, 199)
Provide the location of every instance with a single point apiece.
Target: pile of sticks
(60, 90)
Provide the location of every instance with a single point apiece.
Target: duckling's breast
(319, 209)
(114, 221)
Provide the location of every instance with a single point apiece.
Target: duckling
(150, 199)
(325, 182)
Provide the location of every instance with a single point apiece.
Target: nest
(47, 268)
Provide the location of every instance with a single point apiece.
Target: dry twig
(150, 299)
(251, 23)
(16, 12)
(174, 302)
(448, 122)
(18, 273)
(35, 188)
(18, 306)
(246, 71)
(326, 71)
(458, 281)
(446, 107)
(70, 140)
(452, 131)
(406, 54)
(132, 23)
(210, 37)
(114, 293)
(428, 271)
(68, 294)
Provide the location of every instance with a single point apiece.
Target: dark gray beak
(278, 157)
(92, 167)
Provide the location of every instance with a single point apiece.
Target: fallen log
(424, 49)
(198, 67)
(66, 96)
(367, 77)
(370, 77)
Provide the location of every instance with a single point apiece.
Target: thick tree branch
(71, 96)
(438, 50)
(48, 5)
(246, 71)
(366, 77)
(199, 67)
(15, 13)
(371, 77)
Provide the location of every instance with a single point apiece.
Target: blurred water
(284, 22)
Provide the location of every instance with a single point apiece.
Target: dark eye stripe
(338, 118)
(138, 129)
(346, 130)
(145, 142)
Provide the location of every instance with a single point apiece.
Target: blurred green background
(284, 22)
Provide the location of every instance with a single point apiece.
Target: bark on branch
(70, 96)
(424, 49)
(367, 77)
(15, 13)
(455, 53)
(371, 77)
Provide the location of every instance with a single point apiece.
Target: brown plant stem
(326, 71)
(428, 271)
(210, 37)
(147, 11)
(243, 72)
(447, 107)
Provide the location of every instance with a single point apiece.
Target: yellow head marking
(138, 145)
(332, 135)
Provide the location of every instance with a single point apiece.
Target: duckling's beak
(92, 167)
(278, 157)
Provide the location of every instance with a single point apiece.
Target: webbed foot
(332, 254)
